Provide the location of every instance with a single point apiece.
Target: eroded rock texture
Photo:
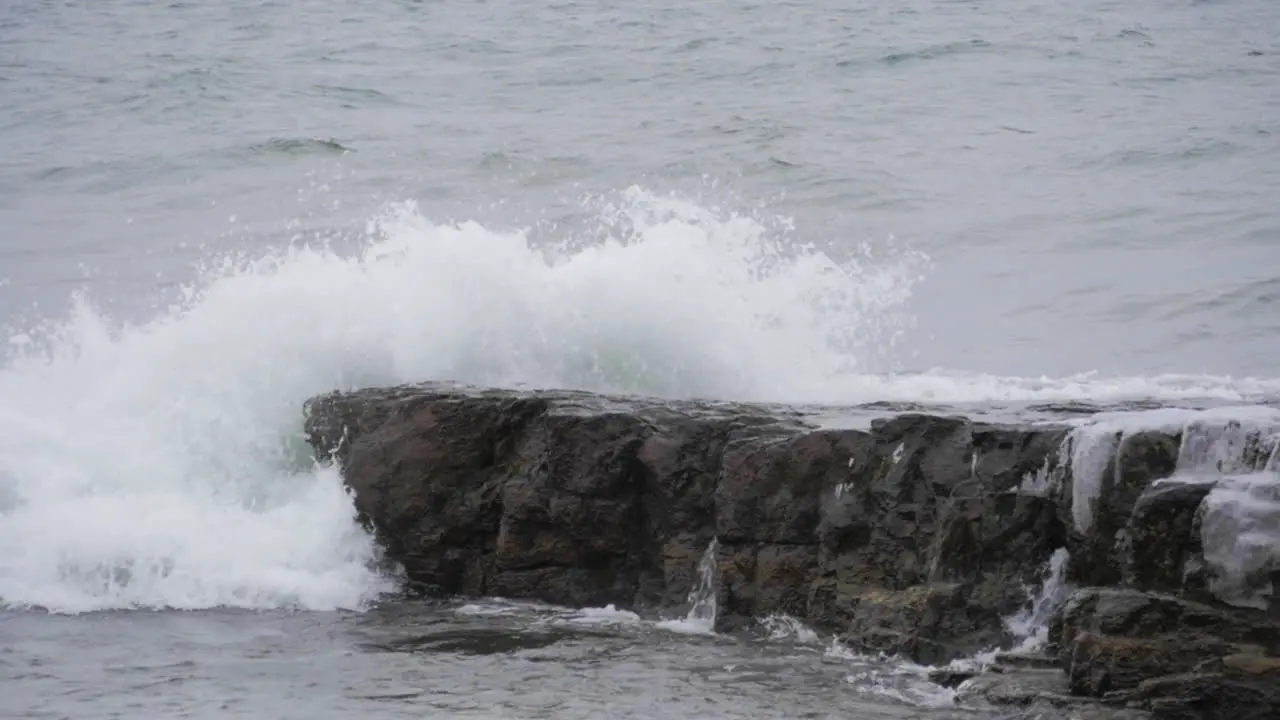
(919, 535)
(911, 537)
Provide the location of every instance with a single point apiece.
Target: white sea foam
(495, 607)
(891, 677)
(161, 463)
(607, 615)
(783, 627)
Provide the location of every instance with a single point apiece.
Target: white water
(161, 464)
(891, 677)
(1240, 532)
(1240, 518)
(907, 681)
(1031, 625)
(703, 606)
(783, 627)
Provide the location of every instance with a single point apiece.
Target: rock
(1102, 664)
(929, 624)
(1136, 614)
(1038, 695)
(1139, 459)
(1235, 687)
(917, 535)
(910, 537)
(1170, 655)
(1026, 661)
(951, 678)
(1163, 540)
(927, 538)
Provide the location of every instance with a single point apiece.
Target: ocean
(212, 211)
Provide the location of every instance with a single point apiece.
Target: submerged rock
(1029, 694)
(949, 678)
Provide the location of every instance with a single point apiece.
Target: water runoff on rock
(701, 617)
(1235, 451)
(1031, 624)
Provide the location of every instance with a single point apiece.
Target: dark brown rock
(1102, 664)
(763, 579)
(1139, 459)
(1162, 538)
(916, 536)
(932, 512)
(927, 623)
(1039, 695)
(1136, 614)
(1236, 687)
(916, 527)
(1170, 655)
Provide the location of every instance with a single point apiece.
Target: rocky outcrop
(1242, 686)
(1161, 638)
(1137, 460)
(1160, 547)
(1136, 615)
(916, 534)
(1147, 650)
(912, 536)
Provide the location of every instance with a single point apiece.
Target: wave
(161, 464)
(300, 146)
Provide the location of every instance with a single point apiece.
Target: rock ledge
(918, 535)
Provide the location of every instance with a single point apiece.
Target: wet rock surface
(1170, 655)
(1161, 547)
(1137, 460)
(917, 535)
(1242, 686)
(910, 537)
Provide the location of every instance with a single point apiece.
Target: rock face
(911, 537)
(1244, 686)
(1174, 656)
(919, 535)
(1160, 547)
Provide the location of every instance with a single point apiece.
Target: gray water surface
(1094, 182)
(487, 660)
